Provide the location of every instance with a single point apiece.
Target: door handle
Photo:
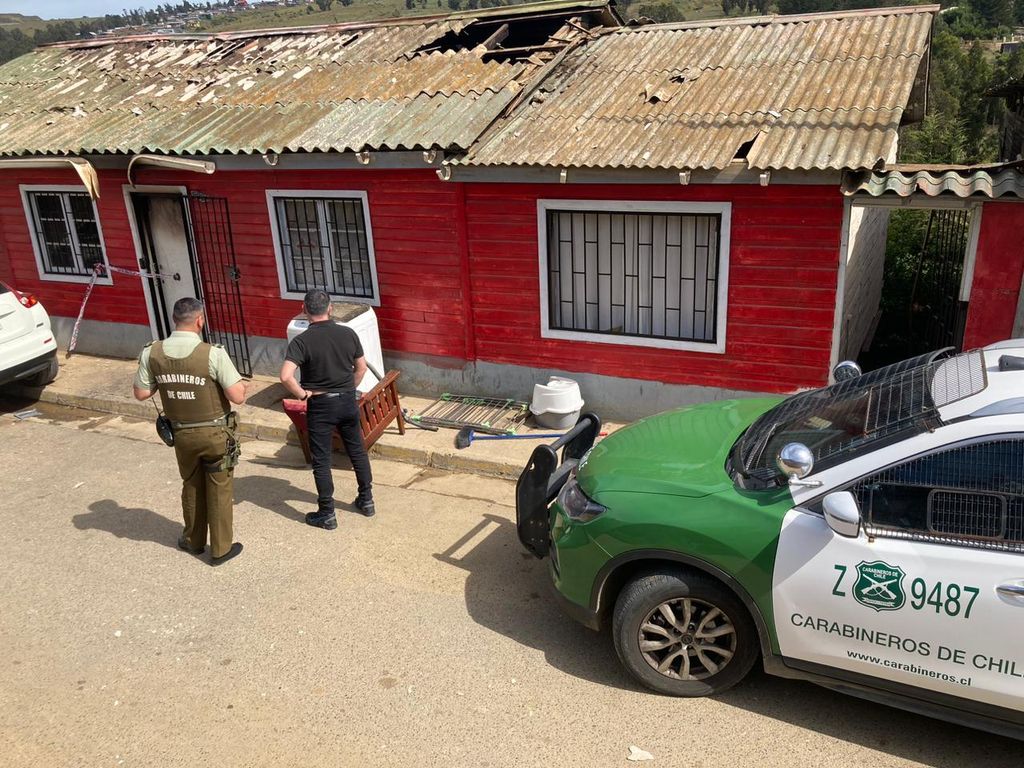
(1013, 590)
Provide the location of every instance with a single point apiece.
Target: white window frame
(37, 247)
(274, 194)
(724, 210)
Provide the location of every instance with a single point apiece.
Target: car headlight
(576, 504)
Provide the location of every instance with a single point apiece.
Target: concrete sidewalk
(105, 385)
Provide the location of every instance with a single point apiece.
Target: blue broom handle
(541, 436)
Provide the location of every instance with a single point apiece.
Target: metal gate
(219, 277)
(938, 316)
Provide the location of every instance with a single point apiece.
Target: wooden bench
(377, 409)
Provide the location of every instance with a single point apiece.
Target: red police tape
(98, 271)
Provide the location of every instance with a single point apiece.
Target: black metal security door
(938, 316)
(219, 277)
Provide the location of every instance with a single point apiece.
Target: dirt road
(421, 637)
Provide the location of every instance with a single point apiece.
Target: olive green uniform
(191, 377)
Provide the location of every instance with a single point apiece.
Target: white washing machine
(363, 320)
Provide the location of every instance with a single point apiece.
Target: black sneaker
(318, 520)
(364, 507)
(235, 551)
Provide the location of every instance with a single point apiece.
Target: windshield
(850, 417)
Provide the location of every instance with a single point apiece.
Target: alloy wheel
(687, 639)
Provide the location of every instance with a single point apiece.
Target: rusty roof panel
(209, 129)
(341, 88)
(822, 91)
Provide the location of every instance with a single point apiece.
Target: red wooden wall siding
(998, 268)
(412, 215)
(121, 302)
(784, 254)
(782, 286)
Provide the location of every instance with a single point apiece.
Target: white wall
(865, 269)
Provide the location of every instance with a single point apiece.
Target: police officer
(196, 381)
(330, 357)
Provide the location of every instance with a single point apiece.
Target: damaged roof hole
(506, 38)
(744, 149)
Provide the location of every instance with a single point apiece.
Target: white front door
(163, 232)
(170, 248)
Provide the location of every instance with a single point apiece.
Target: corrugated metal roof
(339, 88)
(821, 91)
(904, 181)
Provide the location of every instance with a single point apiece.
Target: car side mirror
(842, 514)
(845, 371)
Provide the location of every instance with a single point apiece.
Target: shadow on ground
(136, 524)
(283, 497)
(11, 402)
(508, 591)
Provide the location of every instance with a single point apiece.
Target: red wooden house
(659, 211)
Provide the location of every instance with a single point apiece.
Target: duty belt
(222, 421)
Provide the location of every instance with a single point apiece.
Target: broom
(466, 437)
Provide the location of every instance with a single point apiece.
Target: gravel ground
(422, 637)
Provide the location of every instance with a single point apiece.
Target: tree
(938, 139)
(662, 13)
(324, 5)
(807, 6)
(975, 108)
(998, 13)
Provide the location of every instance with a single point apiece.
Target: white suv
(28, 350)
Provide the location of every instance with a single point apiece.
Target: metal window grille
(324, 244)
(970, 496)
(650, 275)
(955, 513)
(853, 414)
(66, 232)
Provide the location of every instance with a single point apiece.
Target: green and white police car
(867, 536)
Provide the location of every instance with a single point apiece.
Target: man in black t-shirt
(330, 357)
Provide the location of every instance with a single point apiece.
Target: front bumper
(543, 478)
(27, 368)
(589, 618)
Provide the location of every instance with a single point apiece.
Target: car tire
(45, 376)
(700, 653)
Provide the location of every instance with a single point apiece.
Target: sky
(58, 9)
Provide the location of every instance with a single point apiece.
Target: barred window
(65, 232)
(623, 276)
(324, 242)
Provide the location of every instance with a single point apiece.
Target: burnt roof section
(813, 92)
(422, 83)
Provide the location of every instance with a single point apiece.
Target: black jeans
(323, 416)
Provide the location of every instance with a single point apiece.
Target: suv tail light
(26, 299)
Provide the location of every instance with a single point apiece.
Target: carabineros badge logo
(880, 586)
